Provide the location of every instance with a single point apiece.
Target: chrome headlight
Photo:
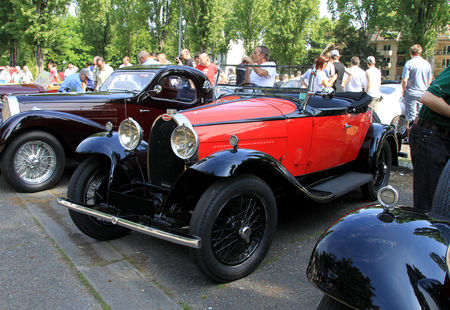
(130, 134)
(184, 142)
(10, 107)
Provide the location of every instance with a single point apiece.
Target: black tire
(381, 172)
(328, 303)
(220, 211)
(33, 162)
(88, 185)
(441, 199)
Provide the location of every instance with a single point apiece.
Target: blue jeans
(430, 151)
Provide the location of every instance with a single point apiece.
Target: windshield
(127, 81)
(280, 80)
(43, 79)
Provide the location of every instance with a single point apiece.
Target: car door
(169, 91)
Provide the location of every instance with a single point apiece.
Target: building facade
(386, 46)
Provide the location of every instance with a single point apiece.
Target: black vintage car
(386, 257)
(39, 132)
(212, 174)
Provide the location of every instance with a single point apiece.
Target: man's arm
(404, 83)
(435, 103)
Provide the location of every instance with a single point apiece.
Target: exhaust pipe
(164, 235)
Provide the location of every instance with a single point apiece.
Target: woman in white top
(321, 80)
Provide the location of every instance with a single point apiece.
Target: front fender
(372, 259)
(108, 144)
(68, 128)
(375, 137)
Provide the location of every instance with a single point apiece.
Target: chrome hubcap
(35, 162)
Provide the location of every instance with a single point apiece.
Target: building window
(445, 63)
(387, 47)
(387, 60)
(385, 73)
(447, 49)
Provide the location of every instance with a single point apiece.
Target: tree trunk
(13, 54)
(39, 59)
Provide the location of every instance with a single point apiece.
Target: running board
(161, 234)
(342, 184)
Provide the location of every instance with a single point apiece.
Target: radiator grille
(164, 166)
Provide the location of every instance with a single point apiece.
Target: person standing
(126, 62)
(101, 74)
(321, 79)
(17, 75)
(416, 77)
(27, 75)
(76, 82)
(373, 76)
(263, 74)
(71, 69)
(53, 72)
(145, 59)
(429, 140)
(185, 58)
(5, 75)
(357, 81)
(339, 69)
(208, 68)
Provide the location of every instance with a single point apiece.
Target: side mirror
(156, 90)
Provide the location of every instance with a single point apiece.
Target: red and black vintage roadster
(210, 176)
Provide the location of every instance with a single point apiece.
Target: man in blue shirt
(416, 78)
(76, 82)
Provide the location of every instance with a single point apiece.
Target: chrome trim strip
(189, 242)
(13, 104)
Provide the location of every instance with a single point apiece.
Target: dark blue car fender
(371, 259)
(375, 137)
(108, 145)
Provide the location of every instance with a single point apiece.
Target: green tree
(368, 16)
(207, 25)
(289, 25)
(250, 22)
(420, 21)
(95, 21)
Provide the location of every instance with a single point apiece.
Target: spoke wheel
(236, 220)
(88, 186)
(33, 161)
(381, 172)
(238, 229)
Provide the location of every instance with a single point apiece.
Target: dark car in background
(39, 132)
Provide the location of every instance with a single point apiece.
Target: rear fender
(68, 128)
(376, 135)
(108, 145)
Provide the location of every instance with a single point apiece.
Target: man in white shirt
(27, 75)
(71, 69)
(17, 75)
(259, 74)
(373, 75)
(145, 58)
(103, 71)
(357, 81)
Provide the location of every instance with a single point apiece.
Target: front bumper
(164, 235)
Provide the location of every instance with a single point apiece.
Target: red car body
(214, 171)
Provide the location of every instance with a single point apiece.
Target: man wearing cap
(416, 77)
(429, 140)
(373, 76)
(76, 82)
(339, 69)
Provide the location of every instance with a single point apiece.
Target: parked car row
(165, 154)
